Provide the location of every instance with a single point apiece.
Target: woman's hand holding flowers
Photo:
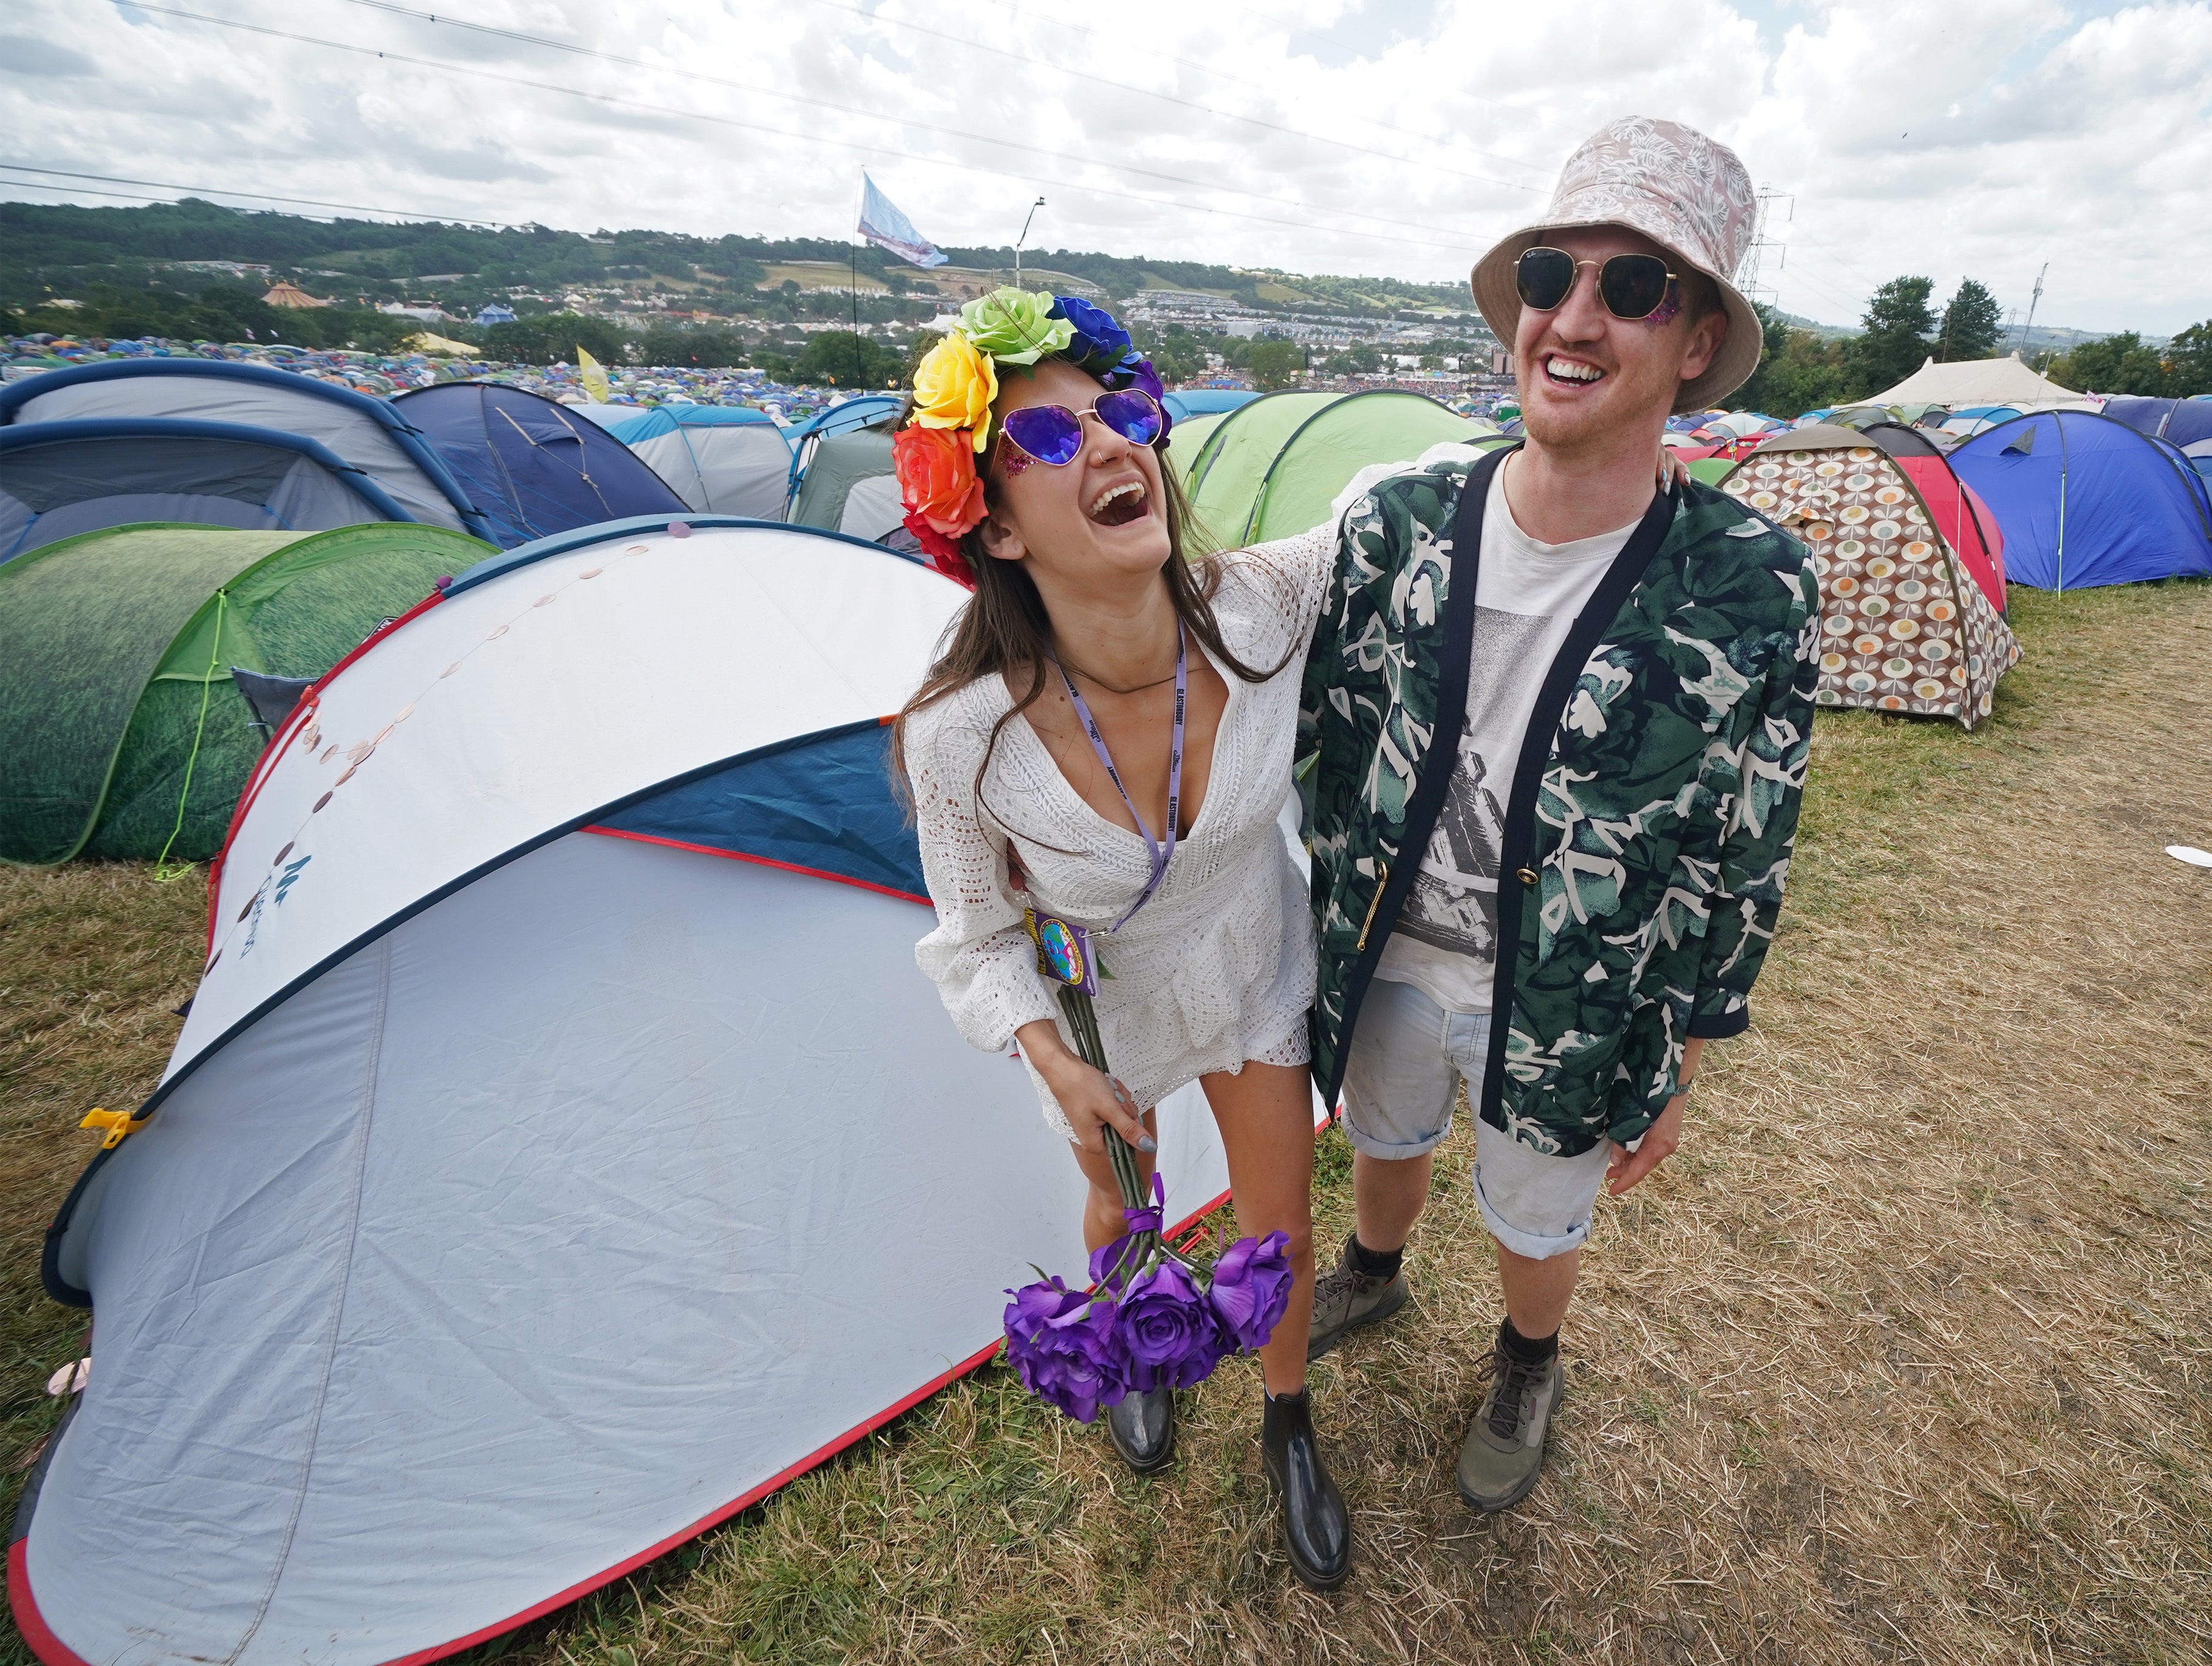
(1091, 1098)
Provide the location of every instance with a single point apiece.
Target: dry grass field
(1907, 1356)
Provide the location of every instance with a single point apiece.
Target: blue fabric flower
(1100, 344)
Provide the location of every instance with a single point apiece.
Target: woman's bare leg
(1102, 1209)
(1265, 1113)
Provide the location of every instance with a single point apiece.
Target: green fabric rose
(1013, 327)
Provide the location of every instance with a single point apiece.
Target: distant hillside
(49, 252)
(1825, 332)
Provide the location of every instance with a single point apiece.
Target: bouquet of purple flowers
(1151, 1318)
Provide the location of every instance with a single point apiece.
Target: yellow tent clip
(117, 1123)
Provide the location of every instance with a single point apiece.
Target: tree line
(1901, 329)
(49, 249)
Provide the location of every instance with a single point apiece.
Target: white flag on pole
(882, 224)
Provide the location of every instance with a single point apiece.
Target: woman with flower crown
(1106, 740)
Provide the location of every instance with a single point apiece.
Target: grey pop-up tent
(563, 1150)
(370, 435)
(58, 479)
(720, 459)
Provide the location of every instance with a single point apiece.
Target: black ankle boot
(1316, 1529)
(1142, 1428)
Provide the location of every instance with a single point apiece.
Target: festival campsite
(381, 874)
(500, 1159)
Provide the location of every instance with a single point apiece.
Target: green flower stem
(1082, 1021)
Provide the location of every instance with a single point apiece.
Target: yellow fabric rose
(953, 388)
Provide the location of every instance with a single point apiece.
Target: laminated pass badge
(1064, 952)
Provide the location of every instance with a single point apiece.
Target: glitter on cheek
(1018, 462)
(1668, 310)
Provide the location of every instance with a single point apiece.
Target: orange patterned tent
(1905, 626)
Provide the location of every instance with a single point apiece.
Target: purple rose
(1103, 1261)
(1142, 375)
(1251, 1288)
(1099, 342)
(1168, 1332)
(1065, 1348)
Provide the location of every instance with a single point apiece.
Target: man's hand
(1660, 1141)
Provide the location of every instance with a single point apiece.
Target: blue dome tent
(2183, 423)
(534, 467)
(2084, 500)
(1207, 401)
(58, 479)
(864, 411)
(721, 459)
(370, 434)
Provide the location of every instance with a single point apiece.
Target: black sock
(1375, 1263)
(1528, 1350)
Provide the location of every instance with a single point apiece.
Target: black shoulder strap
(1442, 754)
(1518, 853)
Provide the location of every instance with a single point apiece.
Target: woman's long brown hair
(1005, 628)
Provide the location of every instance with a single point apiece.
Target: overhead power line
(814, 141)
(253, 196)
(967, 45)
(760, 91)
(1122, 41)
(87, 190)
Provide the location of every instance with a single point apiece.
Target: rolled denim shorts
(1400, 1081)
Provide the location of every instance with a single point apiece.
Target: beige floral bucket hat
(1686, 192)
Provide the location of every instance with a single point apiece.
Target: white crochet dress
(1218, 968)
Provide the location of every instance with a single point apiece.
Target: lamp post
(1023, 239)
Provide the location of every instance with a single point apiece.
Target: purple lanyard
(1158, 854)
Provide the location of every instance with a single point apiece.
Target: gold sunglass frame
(1672, 280)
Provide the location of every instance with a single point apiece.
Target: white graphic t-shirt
(1527, 596)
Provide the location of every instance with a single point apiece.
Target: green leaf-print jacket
(1653, 809)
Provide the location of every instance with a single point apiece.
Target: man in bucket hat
(1559, 724)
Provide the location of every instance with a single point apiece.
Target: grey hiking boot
(1346, 1299)
(1504, 1452)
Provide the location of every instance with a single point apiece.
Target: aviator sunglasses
(1632, 286)
(1054, 433)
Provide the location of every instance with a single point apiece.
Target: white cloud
(1981, 137)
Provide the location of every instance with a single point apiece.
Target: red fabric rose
(943, 553)
(936, 470)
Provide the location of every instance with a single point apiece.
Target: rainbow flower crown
(954, 384)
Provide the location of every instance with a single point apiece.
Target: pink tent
(1964, 519)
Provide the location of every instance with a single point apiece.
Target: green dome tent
(1188, 437)
(1271, 469)
(121, 733)
(848, 486)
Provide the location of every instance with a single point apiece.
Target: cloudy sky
(1976, 137)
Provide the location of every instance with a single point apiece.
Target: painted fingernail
(1147, 1144)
